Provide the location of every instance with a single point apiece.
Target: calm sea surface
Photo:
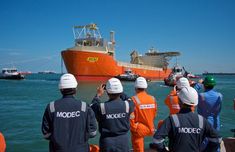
(22, 105)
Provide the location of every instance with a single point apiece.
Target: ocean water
(22, 105)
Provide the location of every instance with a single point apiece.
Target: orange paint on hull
(94, 66)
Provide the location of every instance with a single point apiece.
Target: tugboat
(11, 73)
(176, 73)
(127, 76)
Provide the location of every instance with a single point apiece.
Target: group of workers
(68, 123)
(186, 130)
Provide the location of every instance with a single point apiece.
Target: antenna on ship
(87, 30)
(112, 42)
(176, 58)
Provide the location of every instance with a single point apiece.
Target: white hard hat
(182, 82)
(67, 81)
(114, 86)
(141, 82)
(189, 96)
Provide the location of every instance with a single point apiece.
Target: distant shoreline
(219, 73)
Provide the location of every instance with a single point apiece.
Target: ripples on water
(23, 103)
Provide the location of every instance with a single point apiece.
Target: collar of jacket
(185, 110)
(68, 96)
(142, 93)
(118, 99)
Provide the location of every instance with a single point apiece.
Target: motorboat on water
(11, 73)
(47, 72)
(127, 76)
(178, 72)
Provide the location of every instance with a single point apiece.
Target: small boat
(190, 75)
(11, 73)
(47, 72)
(178, 72)
(127, 76)
(25, 72)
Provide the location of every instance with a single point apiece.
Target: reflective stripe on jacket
(186, 131)
(172, 101)
(144, 113)
(68, 123)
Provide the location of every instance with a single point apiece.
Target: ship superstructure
(153, 58)
(92, 58)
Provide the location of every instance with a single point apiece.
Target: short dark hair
(114, 96)
(140, 89)
(69, 91)
(209, 87)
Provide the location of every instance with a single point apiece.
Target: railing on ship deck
(91, 48)
(129, 65)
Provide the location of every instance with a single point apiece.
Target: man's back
(208, 103)
(186, 131)
(172, 102)
(209, 106)
(113, 117)
(68, 124)
(145, 109)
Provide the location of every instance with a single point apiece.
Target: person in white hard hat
(142, 123)
(186, 130)
(172, 100)
(182, 82)
(68, 123)
(113, 117)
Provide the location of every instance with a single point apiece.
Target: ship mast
(89, 36)
(90, 30)
(112, 43)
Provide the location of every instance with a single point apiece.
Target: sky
(34, 32)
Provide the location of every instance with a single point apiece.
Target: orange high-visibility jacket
(2, 143)
(172, 101)
(144, 113)
(94, 148)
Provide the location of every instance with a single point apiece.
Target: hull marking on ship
(92, 59)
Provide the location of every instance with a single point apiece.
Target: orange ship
(92, 58)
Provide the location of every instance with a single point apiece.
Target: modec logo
(116, 116)
(68, 114)
(189, 130)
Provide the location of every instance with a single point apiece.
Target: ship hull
(94, 66)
